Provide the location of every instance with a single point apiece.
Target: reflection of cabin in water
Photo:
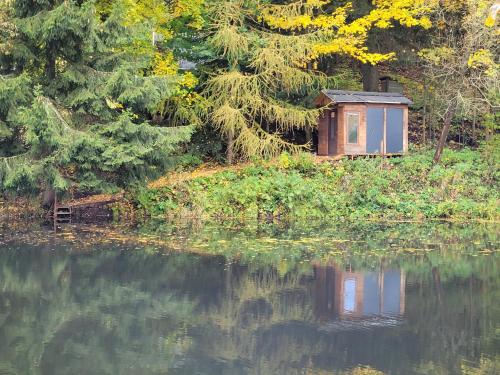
(345, 294)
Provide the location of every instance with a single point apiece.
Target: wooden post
(54, 218)
(55, 205)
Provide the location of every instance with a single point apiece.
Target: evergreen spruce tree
(88, 123)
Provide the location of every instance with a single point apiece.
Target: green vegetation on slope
(464, 186)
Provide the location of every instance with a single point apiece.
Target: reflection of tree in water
(459, 322)
(90, 314)
(283, 325)
(254, 302)
(126, 312)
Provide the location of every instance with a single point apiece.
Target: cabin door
(394, 131)
(332, 134)
(374, 130)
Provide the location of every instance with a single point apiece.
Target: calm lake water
(250, 299)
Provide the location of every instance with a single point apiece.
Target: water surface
(262, 299)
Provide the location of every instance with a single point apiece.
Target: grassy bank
(464, 186)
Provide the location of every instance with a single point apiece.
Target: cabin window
(352, 127)
(349, 295)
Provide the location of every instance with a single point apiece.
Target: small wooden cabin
(362, 123)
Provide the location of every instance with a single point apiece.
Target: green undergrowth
(464, 186)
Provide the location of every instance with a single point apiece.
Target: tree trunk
(488, 133)
(48, 198)
(448, 117)
(424, 119)
(50, 66)
(474, 128)
(308, 131)
(370, 76)
(230, 147)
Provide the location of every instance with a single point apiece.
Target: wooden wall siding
(360, 147)
(323, 133)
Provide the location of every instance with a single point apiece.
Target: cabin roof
(342, 96)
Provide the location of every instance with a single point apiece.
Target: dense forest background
(106, 94)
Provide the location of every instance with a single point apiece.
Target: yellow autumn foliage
(338, 35)
(153, 12)
(191, 9)
(164, 64)
(490, 21)
(483, 59)
(188, 80)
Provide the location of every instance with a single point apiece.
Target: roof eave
(360, 97)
